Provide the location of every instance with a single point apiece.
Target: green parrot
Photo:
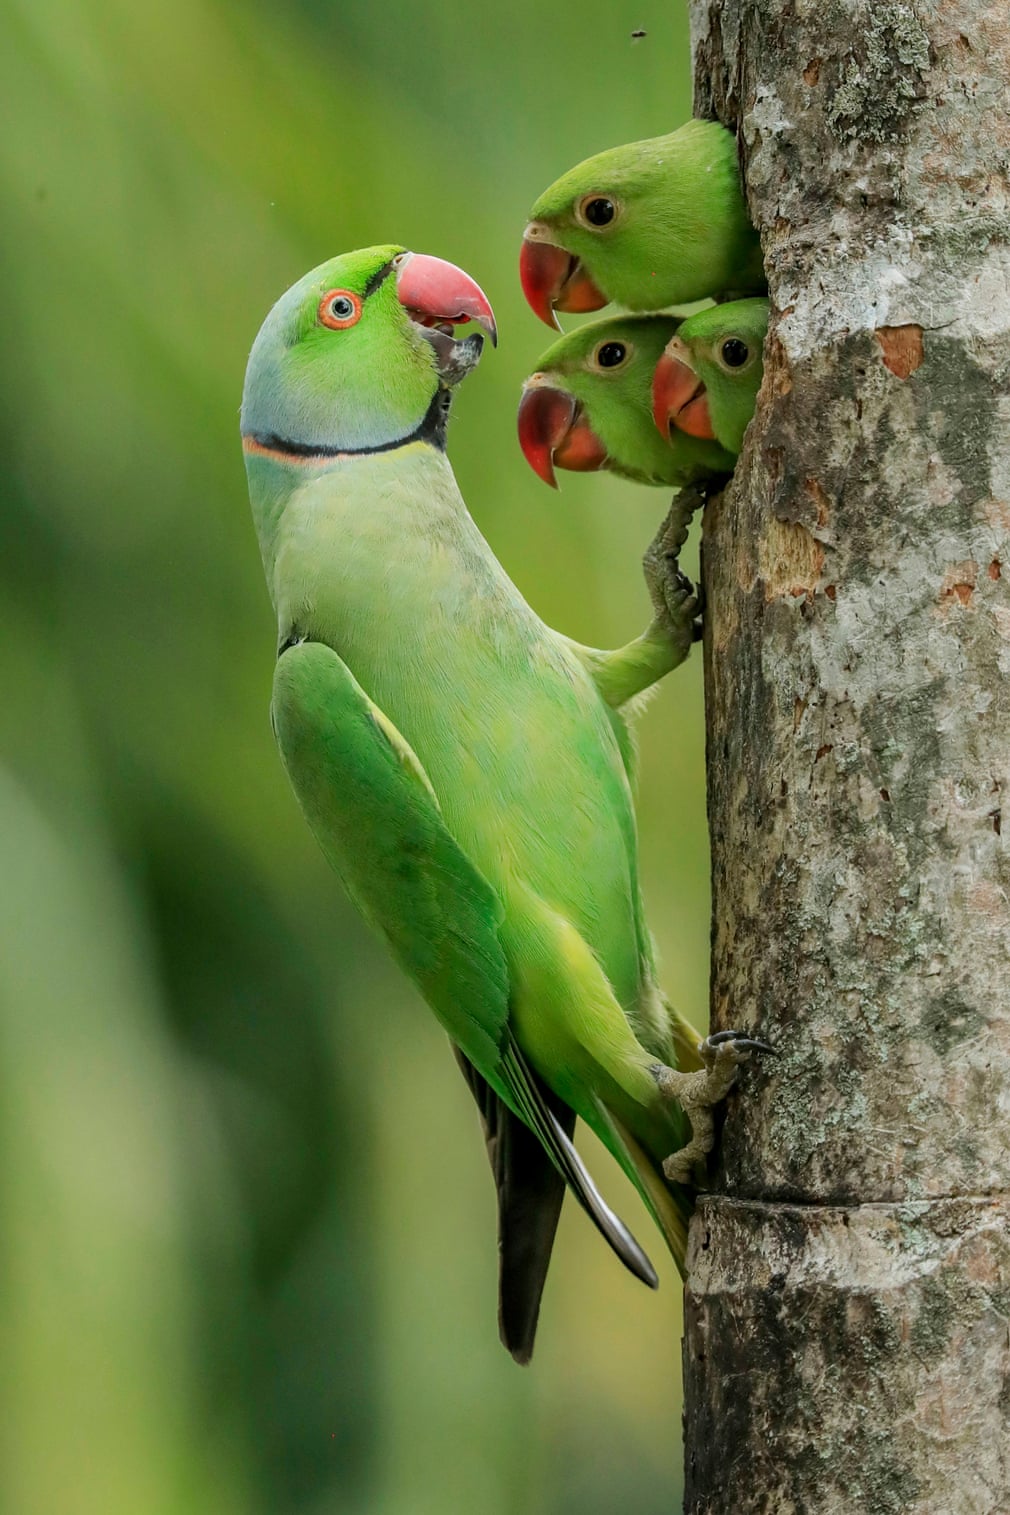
(648, 225)
(589, 405)
(464, 768)
(705, 384)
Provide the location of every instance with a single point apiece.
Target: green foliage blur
(247, 1256)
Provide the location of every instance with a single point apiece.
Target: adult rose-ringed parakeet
(648, 225)
(463, 767)
(589, 405)
(706, 383)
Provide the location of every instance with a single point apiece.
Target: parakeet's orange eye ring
(597, 211)
(340, 308)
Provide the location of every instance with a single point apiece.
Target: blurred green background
(247, 1255)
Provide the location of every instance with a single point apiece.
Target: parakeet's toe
(698, 1094)
(723, 1057)
(681, 597)
(675, 599)
(680, 1167)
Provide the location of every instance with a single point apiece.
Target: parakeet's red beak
(552, 430)
(678, 396)
(553, 279)
(437, 293)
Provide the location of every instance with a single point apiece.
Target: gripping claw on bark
(742, 1039)
(698, 1094)
(675, 600)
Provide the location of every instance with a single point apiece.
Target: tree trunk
(848, 1308)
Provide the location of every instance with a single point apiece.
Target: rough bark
(848, 1309)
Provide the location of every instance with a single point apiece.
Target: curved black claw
(743, 1041)
(721, 1054)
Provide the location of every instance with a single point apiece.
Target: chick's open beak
(553, 279)
(678, 395)
(553, 430)
(438, 293)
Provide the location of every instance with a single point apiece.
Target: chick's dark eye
(735, 353)
(611, 354)
(599, 211)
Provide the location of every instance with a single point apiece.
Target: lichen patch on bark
(881, 78)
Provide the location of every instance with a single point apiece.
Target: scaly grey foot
(675, 600)
(698, 1094)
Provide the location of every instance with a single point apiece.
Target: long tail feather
(671, 1208)
(530, 1191)
(558, 1144)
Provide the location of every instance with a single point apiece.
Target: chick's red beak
(552, 430)
(679, 398)
(436, 292)
(553, 279)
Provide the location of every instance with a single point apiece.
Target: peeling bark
(848, 1307)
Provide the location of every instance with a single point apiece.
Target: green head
(589, 406)
(650, 224)
(359, 355)
(706, 383)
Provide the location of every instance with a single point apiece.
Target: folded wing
(376, 817)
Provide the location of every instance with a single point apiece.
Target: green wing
(372, 810)
(375, 814)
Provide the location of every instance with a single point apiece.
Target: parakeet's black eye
(597, 210)
(611, 354)
(735, 352)
(600, 212)
(339, 308)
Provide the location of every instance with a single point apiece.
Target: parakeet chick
(706, 383)
(648, 225)
(464, 768)
(589, 406)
